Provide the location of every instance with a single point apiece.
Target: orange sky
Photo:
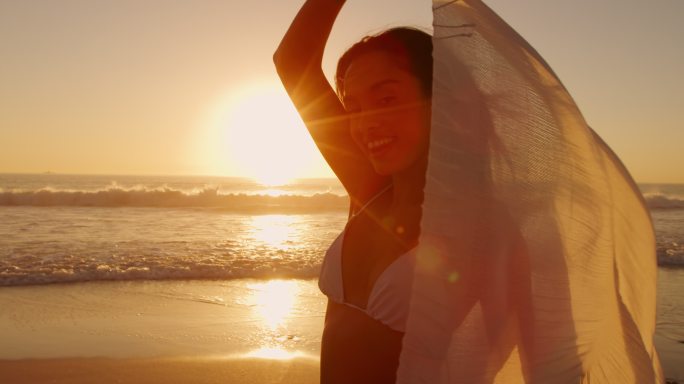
(180, 87)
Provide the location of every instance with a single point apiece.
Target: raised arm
(298, 61)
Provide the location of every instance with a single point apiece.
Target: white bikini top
(389, 299)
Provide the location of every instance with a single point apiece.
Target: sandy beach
(160, 370)
(237, 331)
(241, 331)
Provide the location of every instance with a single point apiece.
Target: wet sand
(141, 319)
(241, 331)
(238, 331)
(160, 370)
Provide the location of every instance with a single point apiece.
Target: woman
(536, 258)
(375, 139)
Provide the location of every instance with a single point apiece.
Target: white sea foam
(65, 270)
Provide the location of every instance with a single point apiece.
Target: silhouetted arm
(298, 61)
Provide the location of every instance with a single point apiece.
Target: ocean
(68, 228)
(65, 228)
(74, 228)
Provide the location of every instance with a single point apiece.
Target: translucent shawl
(536, 261)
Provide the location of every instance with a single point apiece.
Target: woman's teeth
(379, 143)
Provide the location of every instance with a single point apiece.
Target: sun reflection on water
(274, 192)
(274, 301)
(274, 230)
(275, 354)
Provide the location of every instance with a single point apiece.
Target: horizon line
(217, 176)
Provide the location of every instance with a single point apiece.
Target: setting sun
(257, 133)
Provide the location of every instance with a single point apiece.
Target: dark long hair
(411, 47)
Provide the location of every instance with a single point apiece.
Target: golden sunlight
(260, 135)
(274, 301)
(275, 354)
(274, 231)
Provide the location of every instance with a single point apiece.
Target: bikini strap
(369, 202)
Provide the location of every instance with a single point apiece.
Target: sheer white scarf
(536, 261)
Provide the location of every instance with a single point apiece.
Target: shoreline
(160, 370)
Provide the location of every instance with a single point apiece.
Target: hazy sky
(188, 87)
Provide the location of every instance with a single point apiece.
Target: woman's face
(389, 114)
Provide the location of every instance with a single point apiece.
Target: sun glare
(275, 231)
(257, 133)
(275, 354)
(274, 301)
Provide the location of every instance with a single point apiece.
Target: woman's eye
(387, 100)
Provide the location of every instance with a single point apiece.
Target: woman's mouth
(378, 147)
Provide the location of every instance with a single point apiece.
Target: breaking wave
(165, 197)
(662, 201)
(66, 271)
(116, 196)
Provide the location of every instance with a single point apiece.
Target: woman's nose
(367, 122)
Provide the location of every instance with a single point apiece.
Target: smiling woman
(257, 133)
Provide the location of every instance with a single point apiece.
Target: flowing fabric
(536, 261)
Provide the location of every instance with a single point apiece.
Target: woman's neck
(407, 198)
(408, 186)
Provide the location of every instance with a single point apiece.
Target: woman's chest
(369, 247)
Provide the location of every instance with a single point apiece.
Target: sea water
(72, 228)
(67, 228)
(64, 228)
